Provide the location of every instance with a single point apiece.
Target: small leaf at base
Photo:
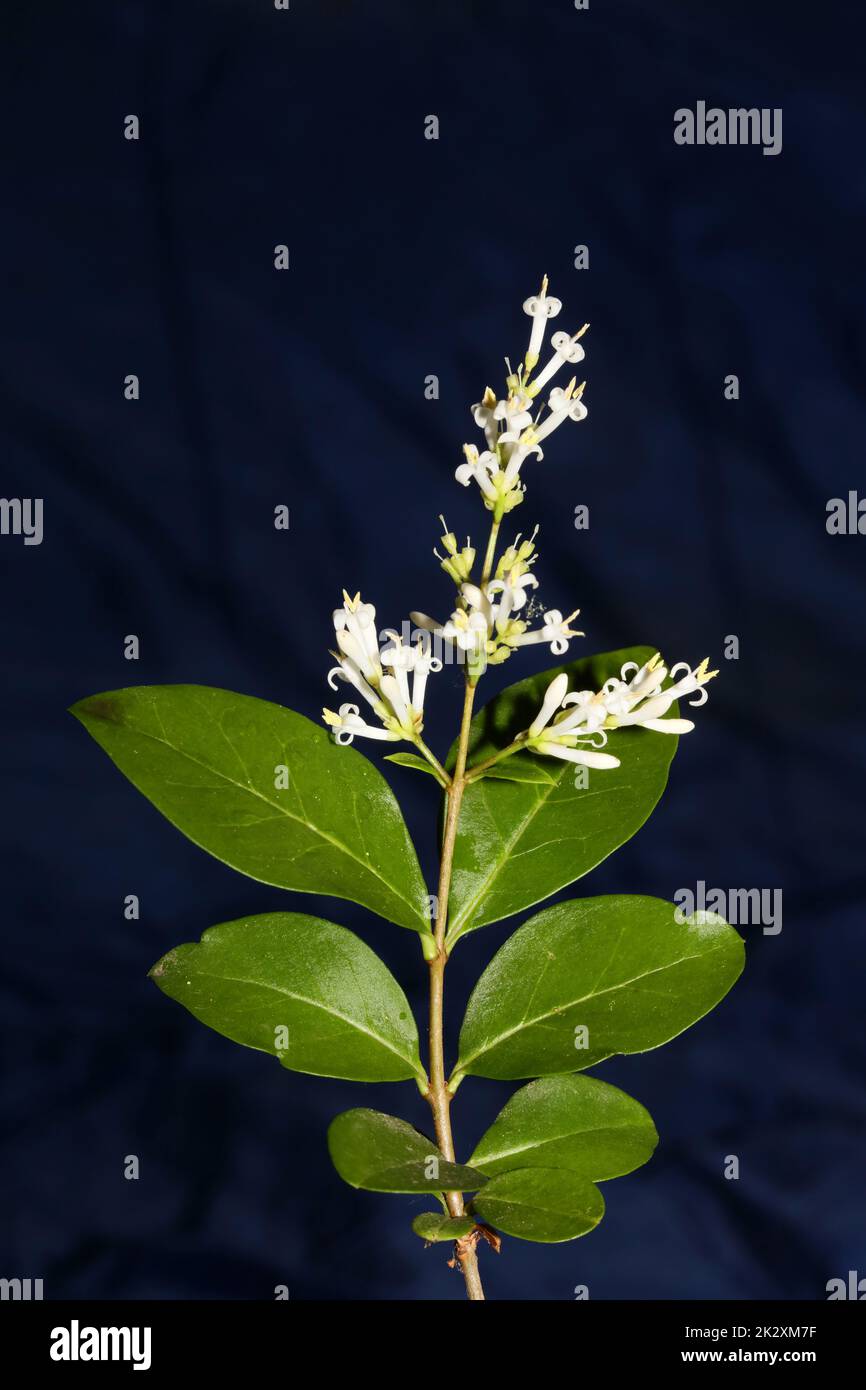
(383, 1154)
(410, 760)
(433, 1226)
(548, 1205)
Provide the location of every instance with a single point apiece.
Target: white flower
(486, 417)
(641, 702)
(588, 713)
(355, 628)
(566, 349)
(465, 629)
(423, 662)
(511, 434)
(510, 415)
(630, 699)
(485, 623)
(482, 467)
(562, 405)
(562, 739)
(347, 670)
(478, 601)
(514, 411)
(554, 630)
(512, 592)
(540, 308)
(468, 628)
(587, 757)
(646, 679)
(348, 724)
(521, 446)
(382, 678)
(418, 661)
(358, 658)
(553, 698)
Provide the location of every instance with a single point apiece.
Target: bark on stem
(438, 1094)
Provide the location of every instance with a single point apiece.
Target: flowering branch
(488, 624)
(266, 791)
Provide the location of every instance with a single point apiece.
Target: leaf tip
(165, 962)
(105, 707)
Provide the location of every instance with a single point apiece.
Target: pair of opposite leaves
(269, 793)
(533, 1173)
(622, 971)
(211, 761)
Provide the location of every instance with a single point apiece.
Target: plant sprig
(285, 802)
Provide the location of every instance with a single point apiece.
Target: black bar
(253, 1338)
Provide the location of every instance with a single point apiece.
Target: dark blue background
(411, 257)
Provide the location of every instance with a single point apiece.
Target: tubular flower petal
(358, 621)
(641, 702)
(563, 404)
(514, 411)
(382, 677)
(565, 349)
(512, 592)
(348, 725)
(553, 698)
(511, 435)
(567, 722)
(555, 630)
(482, 467)
(585, 756)
(540, 307)
(485, 416)
(520, 446)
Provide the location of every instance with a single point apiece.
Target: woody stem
(438, 1094)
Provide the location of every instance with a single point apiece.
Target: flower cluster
(511, 433)
(485, 627)
(496, 611)
(635, 697)
(380, 674)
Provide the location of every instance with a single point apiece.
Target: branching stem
(438, 1094)
(441, 775)
(480, 768)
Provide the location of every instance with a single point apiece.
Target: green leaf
(516, 843)
(434, 1226)
(572, 1122)
(524, 767)
(307, 991)
(520, 768)
(383, 1154)
(624, 969)
(544, 1204)
(410, 760)
(210, 760)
